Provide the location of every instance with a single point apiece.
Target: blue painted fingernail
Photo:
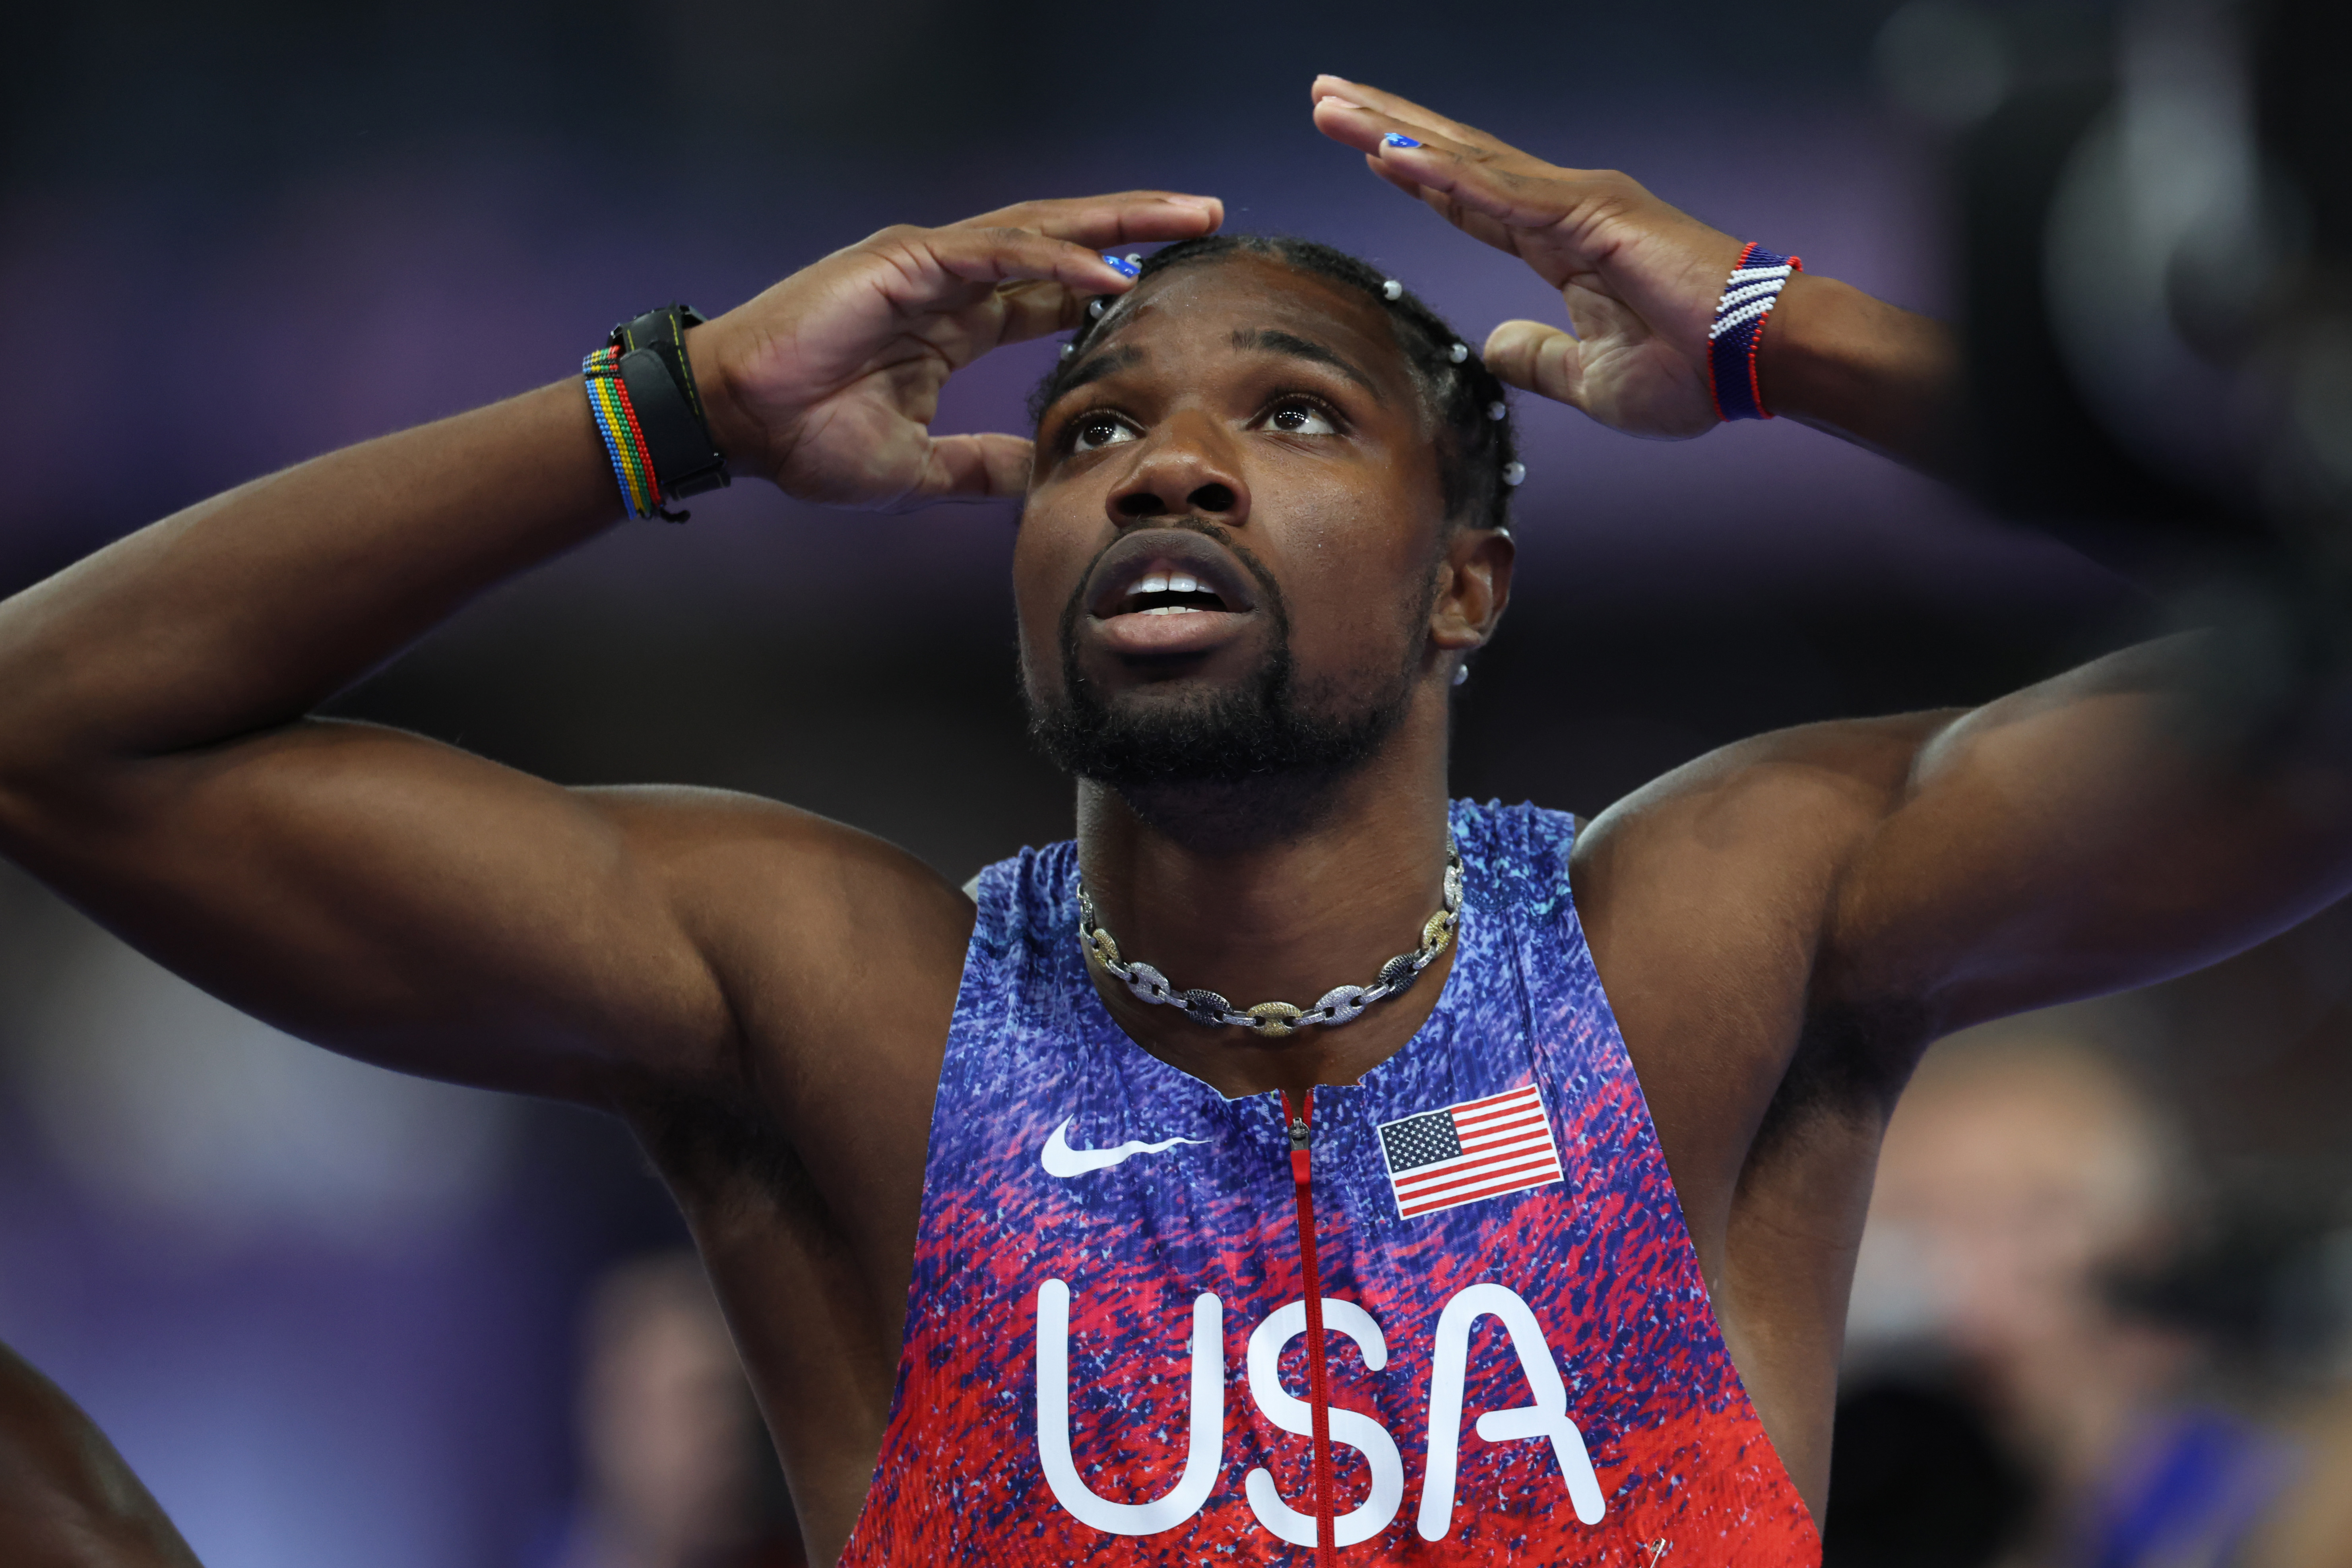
(1122, 265)
(1398, 138)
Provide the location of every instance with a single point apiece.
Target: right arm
(407, 902)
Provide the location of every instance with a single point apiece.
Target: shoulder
(722, 848)
(799, 916)
(1708, 898)
(1756, 833)
(1805, 788)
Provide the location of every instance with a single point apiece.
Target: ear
(1473, 589)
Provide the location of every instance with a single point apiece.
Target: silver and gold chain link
(1340, 1004)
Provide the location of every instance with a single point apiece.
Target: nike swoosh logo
(1060, 1160)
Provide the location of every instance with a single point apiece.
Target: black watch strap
(654, 367)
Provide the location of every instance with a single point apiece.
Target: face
(2012, 1190)
(1233, 560)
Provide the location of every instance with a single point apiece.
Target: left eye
(1302, 420)
(1097, 431)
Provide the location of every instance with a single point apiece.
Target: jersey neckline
(1097, 1020)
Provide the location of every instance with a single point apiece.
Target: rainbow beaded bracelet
(624, 442)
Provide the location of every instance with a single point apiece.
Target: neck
(1338, 877)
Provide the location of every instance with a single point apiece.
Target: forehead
(1229, 305)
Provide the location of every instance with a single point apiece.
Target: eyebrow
(1257, 340)
(1110, 362)
(1272, 340)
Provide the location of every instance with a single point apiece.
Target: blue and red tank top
(1123, 1279)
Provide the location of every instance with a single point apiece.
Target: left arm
(2113, 827)
(2151, 812)
(1640, 279)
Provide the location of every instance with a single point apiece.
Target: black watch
(653, 366)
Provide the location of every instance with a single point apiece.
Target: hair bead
(1514, 474)
(1458, 352)
(1496, 410)
(1391, 289)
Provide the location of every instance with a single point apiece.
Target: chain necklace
(1340, 1004)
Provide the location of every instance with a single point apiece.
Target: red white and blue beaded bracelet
(1748, 295)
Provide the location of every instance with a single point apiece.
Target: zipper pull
(1298, 1129)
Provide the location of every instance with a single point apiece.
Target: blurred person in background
(676, 1470)
(67, 1500)
(2024, 1180)
(1266, 529)
(2312, 1526)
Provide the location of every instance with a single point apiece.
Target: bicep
(399, 901)
(2102, 830)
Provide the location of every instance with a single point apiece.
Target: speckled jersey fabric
(1109, 1365)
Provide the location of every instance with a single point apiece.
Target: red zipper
(1318, 1375)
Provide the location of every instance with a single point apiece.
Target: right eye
(1093, 432)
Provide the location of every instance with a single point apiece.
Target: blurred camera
(2155, 226)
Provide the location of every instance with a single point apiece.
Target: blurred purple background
(329, 1314)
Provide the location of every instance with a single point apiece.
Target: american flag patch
(1479, 1149)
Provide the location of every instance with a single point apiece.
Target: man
(671, 1462)
(2021, 1178)
(1258, 542)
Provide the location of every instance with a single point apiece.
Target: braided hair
(1475, 447)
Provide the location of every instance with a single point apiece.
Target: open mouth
(1167, 594)
(1167, 573)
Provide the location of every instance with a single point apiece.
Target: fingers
(1043, 259)
(1476, 224)
(1371, 120)
(1001, 254)
(1122, 218)
(1402, 109)
(1539, 359)
(1029, 311)
(983, 287)
(1500, 182)
(972, 467)
(1490, 190)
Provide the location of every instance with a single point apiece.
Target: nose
(1187, 468)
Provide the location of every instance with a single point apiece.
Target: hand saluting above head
(828, 382)
(1640, 278)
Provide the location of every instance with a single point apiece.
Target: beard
(1252, 763)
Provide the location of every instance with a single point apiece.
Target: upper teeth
(1173, 583)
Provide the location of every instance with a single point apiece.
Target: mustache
(1269, 590)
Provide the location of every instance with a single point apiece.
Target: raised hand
(1640, 279)
(828, 382)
